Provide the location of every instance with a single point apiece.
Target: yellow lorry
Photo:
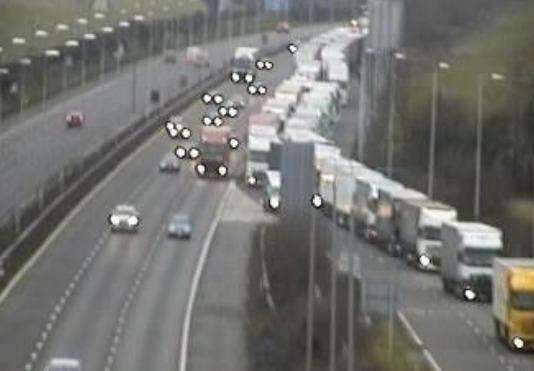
(513, 301)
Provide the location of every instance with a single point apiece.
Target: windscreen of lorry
(430, 233)
(213, 151)
(522, 300)
(242, 63)
(478, 257)
(258, 156)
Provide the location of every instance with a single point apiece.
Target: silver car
(124, 218)
(169, 163)
(179, 226)
(63, 364)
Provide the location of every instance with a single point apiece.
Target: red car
(75, 120)
(282, 27)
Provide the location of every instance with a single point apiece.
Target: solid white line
(29, 264)
(409, 328)
(431, 360)
(196, 278)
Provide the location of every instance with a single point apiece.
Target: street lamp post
(24, 62)
(105, 30)
(3, 72)
(433, 122)
(49, 53)
(122, 25)
(138, 18)
(392, 112)
(86, 38)
(481, 82)
(67, 61)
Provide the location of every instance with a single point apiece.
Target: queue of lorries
(403, 221)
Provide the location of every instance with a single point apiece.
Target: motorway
(114, 299)
(40, 146)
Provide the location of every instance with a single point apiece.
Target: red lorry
(214, 152)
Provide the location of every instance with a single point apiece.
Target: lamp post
(138, 18)
(49, 53)
(392, 112)
(481, 84)
(106, 30)
(68, 62)
(86, 38)
(24, 62)
(3, 72)
(433, 122)
(123, 25)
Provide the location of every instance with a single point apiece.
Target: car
(169, 163)
(237, 101)
(63, 364)
(170, 57)
(282, 27)
(75, 119)
(197, 56)
(124, 218)
(179, 226)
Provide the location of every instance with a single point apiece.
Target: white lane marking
(409, 328)
(431, 360)
(196, 278)
(41, 250)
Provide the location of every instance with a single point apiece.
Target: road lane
(85, 326)
(39, 147)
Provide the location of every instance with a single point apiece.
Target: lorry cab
(466, 258)
(513, 302)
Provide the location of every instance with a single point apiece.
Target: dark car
(179, 226)
(169, 163)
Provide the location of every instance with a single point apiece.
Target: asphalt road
(72, 301)
(39, 146)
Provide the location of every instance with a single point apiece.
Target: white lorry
(363, 193)
(467, 257)
(244, 60)
(419, 226)
(263, 130)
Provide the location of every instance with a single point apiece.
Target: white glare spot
(249, 78)
(218, 99)
(206, 120)
(223, 111)
(194, 153)
(234, 76)
(233, 142)
(232, 112)
(269, 65)
(186, 133)
(218, 121)
(260, 65)
(292, 48)
(206, 98)
(180, 152)
(317, 201)
(262, 90)
(252, 90)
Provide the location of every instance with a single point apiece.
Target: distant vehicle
(170, 57)
(420, 224)
(63, 364)
(243, 61)
(197, 56)
(282, 27)
(513, 301)
(467, 257)
(215, 151)
(271, 197)
(263, 130)
(124, 218)
(179, 226)
(169, 163)
(75, 119)
(154, 96)
(237, 101)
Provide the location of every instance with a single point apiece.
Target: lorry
(513, 301)
(244, 60)
(263, 130)
(386, 215)
(363, 194)
(279, 106)
(214, 152)
(466, 258)
(419, 224)
(338, 71)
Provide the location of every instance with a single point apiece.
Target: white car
(124, 218)
(63, 364)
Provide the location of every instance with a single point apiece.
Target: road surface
(72, 301)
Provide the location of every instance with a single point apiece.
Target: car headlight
(424, 260)
(222, 170)
(133, 220)
(469, 294)
(274, 202)
(251, 180)
(114, 219)
(518, 342)
(201, 169)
